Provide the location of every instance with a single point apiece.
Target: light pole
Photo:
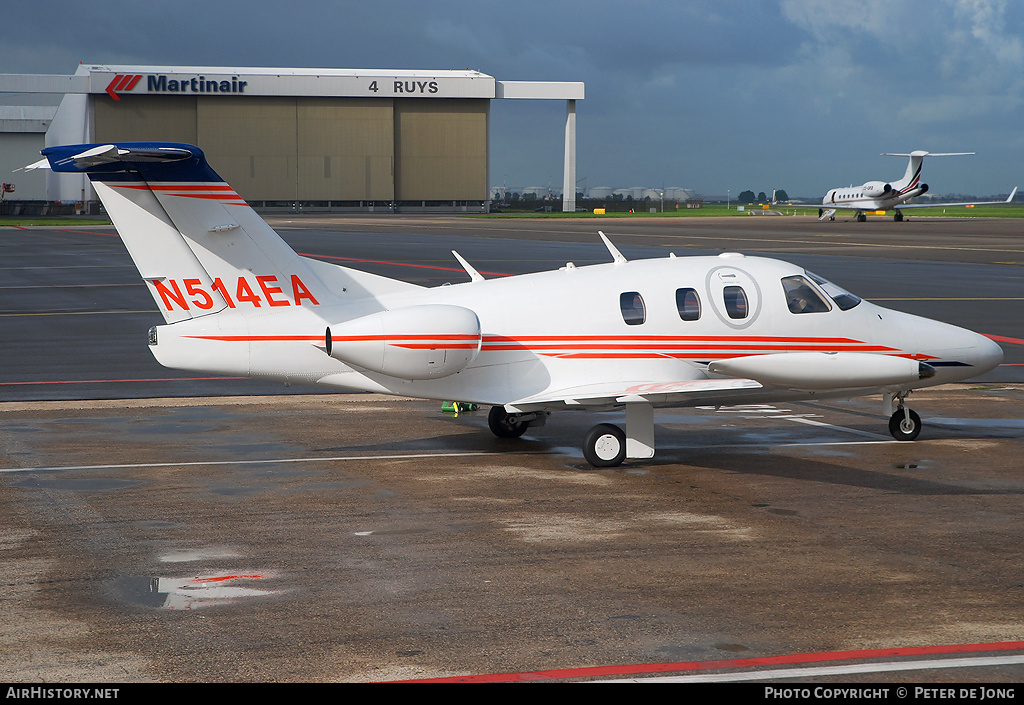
(728, 193)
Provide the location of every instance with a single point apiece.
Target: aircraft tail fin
(912, 177)
(198, 245)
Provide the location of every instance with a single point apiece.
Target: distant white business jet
(886, 196)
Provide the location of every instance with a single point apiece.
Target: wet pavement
(356, 537)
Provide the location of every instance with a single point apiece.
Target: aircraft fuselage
(568, 329)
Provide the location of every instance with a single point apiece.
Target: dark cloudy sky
(713, 95)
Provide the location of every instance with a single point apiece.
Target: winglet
(473, 274)
(1012, 194)
(616, 255)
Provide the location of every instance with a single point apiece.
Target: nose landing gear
(904, 424)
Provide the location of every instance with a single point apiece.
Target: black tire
(501, 426)
(604, 446)
(903, 429)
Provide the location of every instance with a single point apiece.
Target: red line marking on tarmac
(649, 668)
(330, 256)
(400, 264)
(104, 381)
(87, 232)
(1004, 339)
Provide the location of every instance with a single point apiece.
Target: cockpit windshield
(844, 299)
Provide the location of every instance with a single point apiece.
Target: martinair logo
(124, 82)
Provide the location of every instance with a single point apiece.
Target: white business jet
(891, 196)
(678, 331)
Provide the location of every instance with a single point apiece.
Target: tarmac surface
(159, 527)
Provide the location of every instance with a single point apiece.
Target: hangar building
(329, 139)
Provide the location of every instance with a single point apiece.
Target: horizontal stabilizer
(157, 161)
(927, 154)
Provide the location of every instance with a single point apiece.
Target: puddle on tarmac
(198, 554)
(189, 593)
(732, 648)
(775, 510)
(989, 425)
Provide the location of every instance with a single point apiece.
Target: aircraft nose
(986, 354)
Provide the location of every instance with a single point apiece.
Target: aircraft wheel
(604, 446)
(504, 426)
(902, 428)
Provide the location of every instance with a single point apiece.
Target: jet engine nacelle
(876, 189)
(818, 370)
(416, 342)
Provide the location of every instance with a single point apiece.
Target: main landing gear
(506, 425)
(604, 446)
(904, 424)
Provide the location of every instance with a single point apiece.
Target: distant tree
(746, 197)
(781, 195)
(761, 198)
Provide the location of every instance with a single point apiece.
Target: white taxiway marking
(337, 458)
(767, 411)
(811, 422)
(812, 672)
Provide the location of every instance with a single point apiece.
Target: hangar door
(441, 150)
(286, 149)
(305, 149)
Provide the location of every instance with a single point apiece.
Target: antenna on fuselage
(473, 274)
(616, 255)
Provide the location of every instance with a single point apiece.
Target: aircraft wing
(605, 394)
(961, 203)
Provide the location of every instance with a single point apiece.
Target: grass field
(1013, 210)
(720, 210)
(63, 222)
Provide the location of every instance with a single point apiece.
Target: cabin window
(801, 297)
(735, 302)
(632, 306)
(844, 299)
(688, 304)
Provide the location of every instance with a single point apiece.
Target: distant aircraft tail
(198, 245)
(912, 178)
